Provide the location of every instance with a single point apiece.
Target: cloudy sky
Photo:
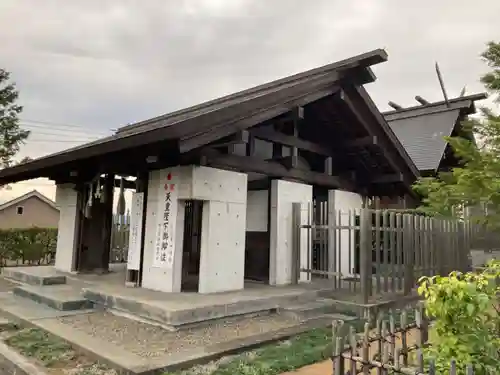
(86, 67)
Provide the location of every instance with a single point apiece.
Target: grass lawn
(53, 353)
(272, 359)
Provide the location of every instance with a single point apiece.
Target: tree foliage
(475, 181)
(11, 134)
(466, 319)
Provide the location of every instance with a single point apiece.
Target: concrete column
(222, 253)
(67, 200)
(283, 194)
(346, 203)
(163, 276)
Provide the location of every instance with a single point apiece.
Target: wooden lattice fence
(392, 345)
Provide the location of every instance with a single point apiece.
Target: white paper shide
(134, 241)
(167, 215)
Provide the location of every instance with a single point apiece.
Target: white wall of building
(222, 258)
(67, 235)
(165, 278)
(347, 203)
(257, 209)
(283, 195)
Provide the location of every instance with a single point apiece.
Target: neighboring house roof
(22, 198)
(421, 129)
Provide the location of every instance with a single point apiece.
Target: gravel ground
(150, 341)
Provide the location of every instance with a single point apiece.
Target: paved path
(326, 367)
(322, 368)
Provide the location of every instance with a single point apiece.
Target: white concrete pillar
(341, 253)
(222, 253)
(163, 274)
(283, 194)
(67, 235)
(222, 259)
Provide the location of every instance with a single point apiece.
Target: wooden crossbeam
(388, 179)
(363, 142)
(289, 140)
(275, 169)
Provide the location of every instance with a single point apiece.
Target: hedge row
(27, 246)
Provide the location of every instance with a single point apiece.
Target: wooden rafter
(275, 169)
(290, 141)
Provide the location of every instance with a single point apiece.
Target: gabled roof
(421, 129)
(31, 194)
(211, 119)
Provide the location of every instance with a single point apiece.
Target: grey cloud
(106, 63)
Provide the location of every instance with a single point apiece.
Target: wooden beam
(261, 184)
(363, 142)
(377, 128)
(289, 140)
(388, 179)
(274, 169)
(127, 184)
(298, 115)
(250, 149)
(237, 138)
(329, 165)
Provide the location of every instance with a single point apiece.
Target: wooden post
(109, 187)
(409, 252)
(365, 249)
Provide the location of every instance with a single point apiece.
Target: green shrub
(465, 309)
(31, 245)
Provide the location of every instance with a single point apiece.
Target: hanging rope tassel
(88, 206)
(103, 197)
(121, 199)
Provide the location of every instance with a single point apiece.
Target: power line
(60, 141)
(70, 130)
(59, 124)
(52, 123)
(65, 135)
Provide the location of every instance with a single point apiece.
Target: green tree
(11, 134)
(476, 181)
(466, 320)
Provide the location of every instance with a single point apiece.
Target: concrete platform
(180, 310)
(59, 297)
(38, 275)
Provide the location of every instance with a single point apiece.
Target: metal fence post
(296, 228)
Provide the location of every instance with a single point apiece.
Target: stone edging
(11, 362)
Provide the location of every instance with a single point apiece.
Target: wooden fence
(390, 346)
(372, 252)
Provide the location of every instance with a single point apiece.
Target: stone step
(59, 297)
(177, 316)
(41, 275)
(317, 308)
